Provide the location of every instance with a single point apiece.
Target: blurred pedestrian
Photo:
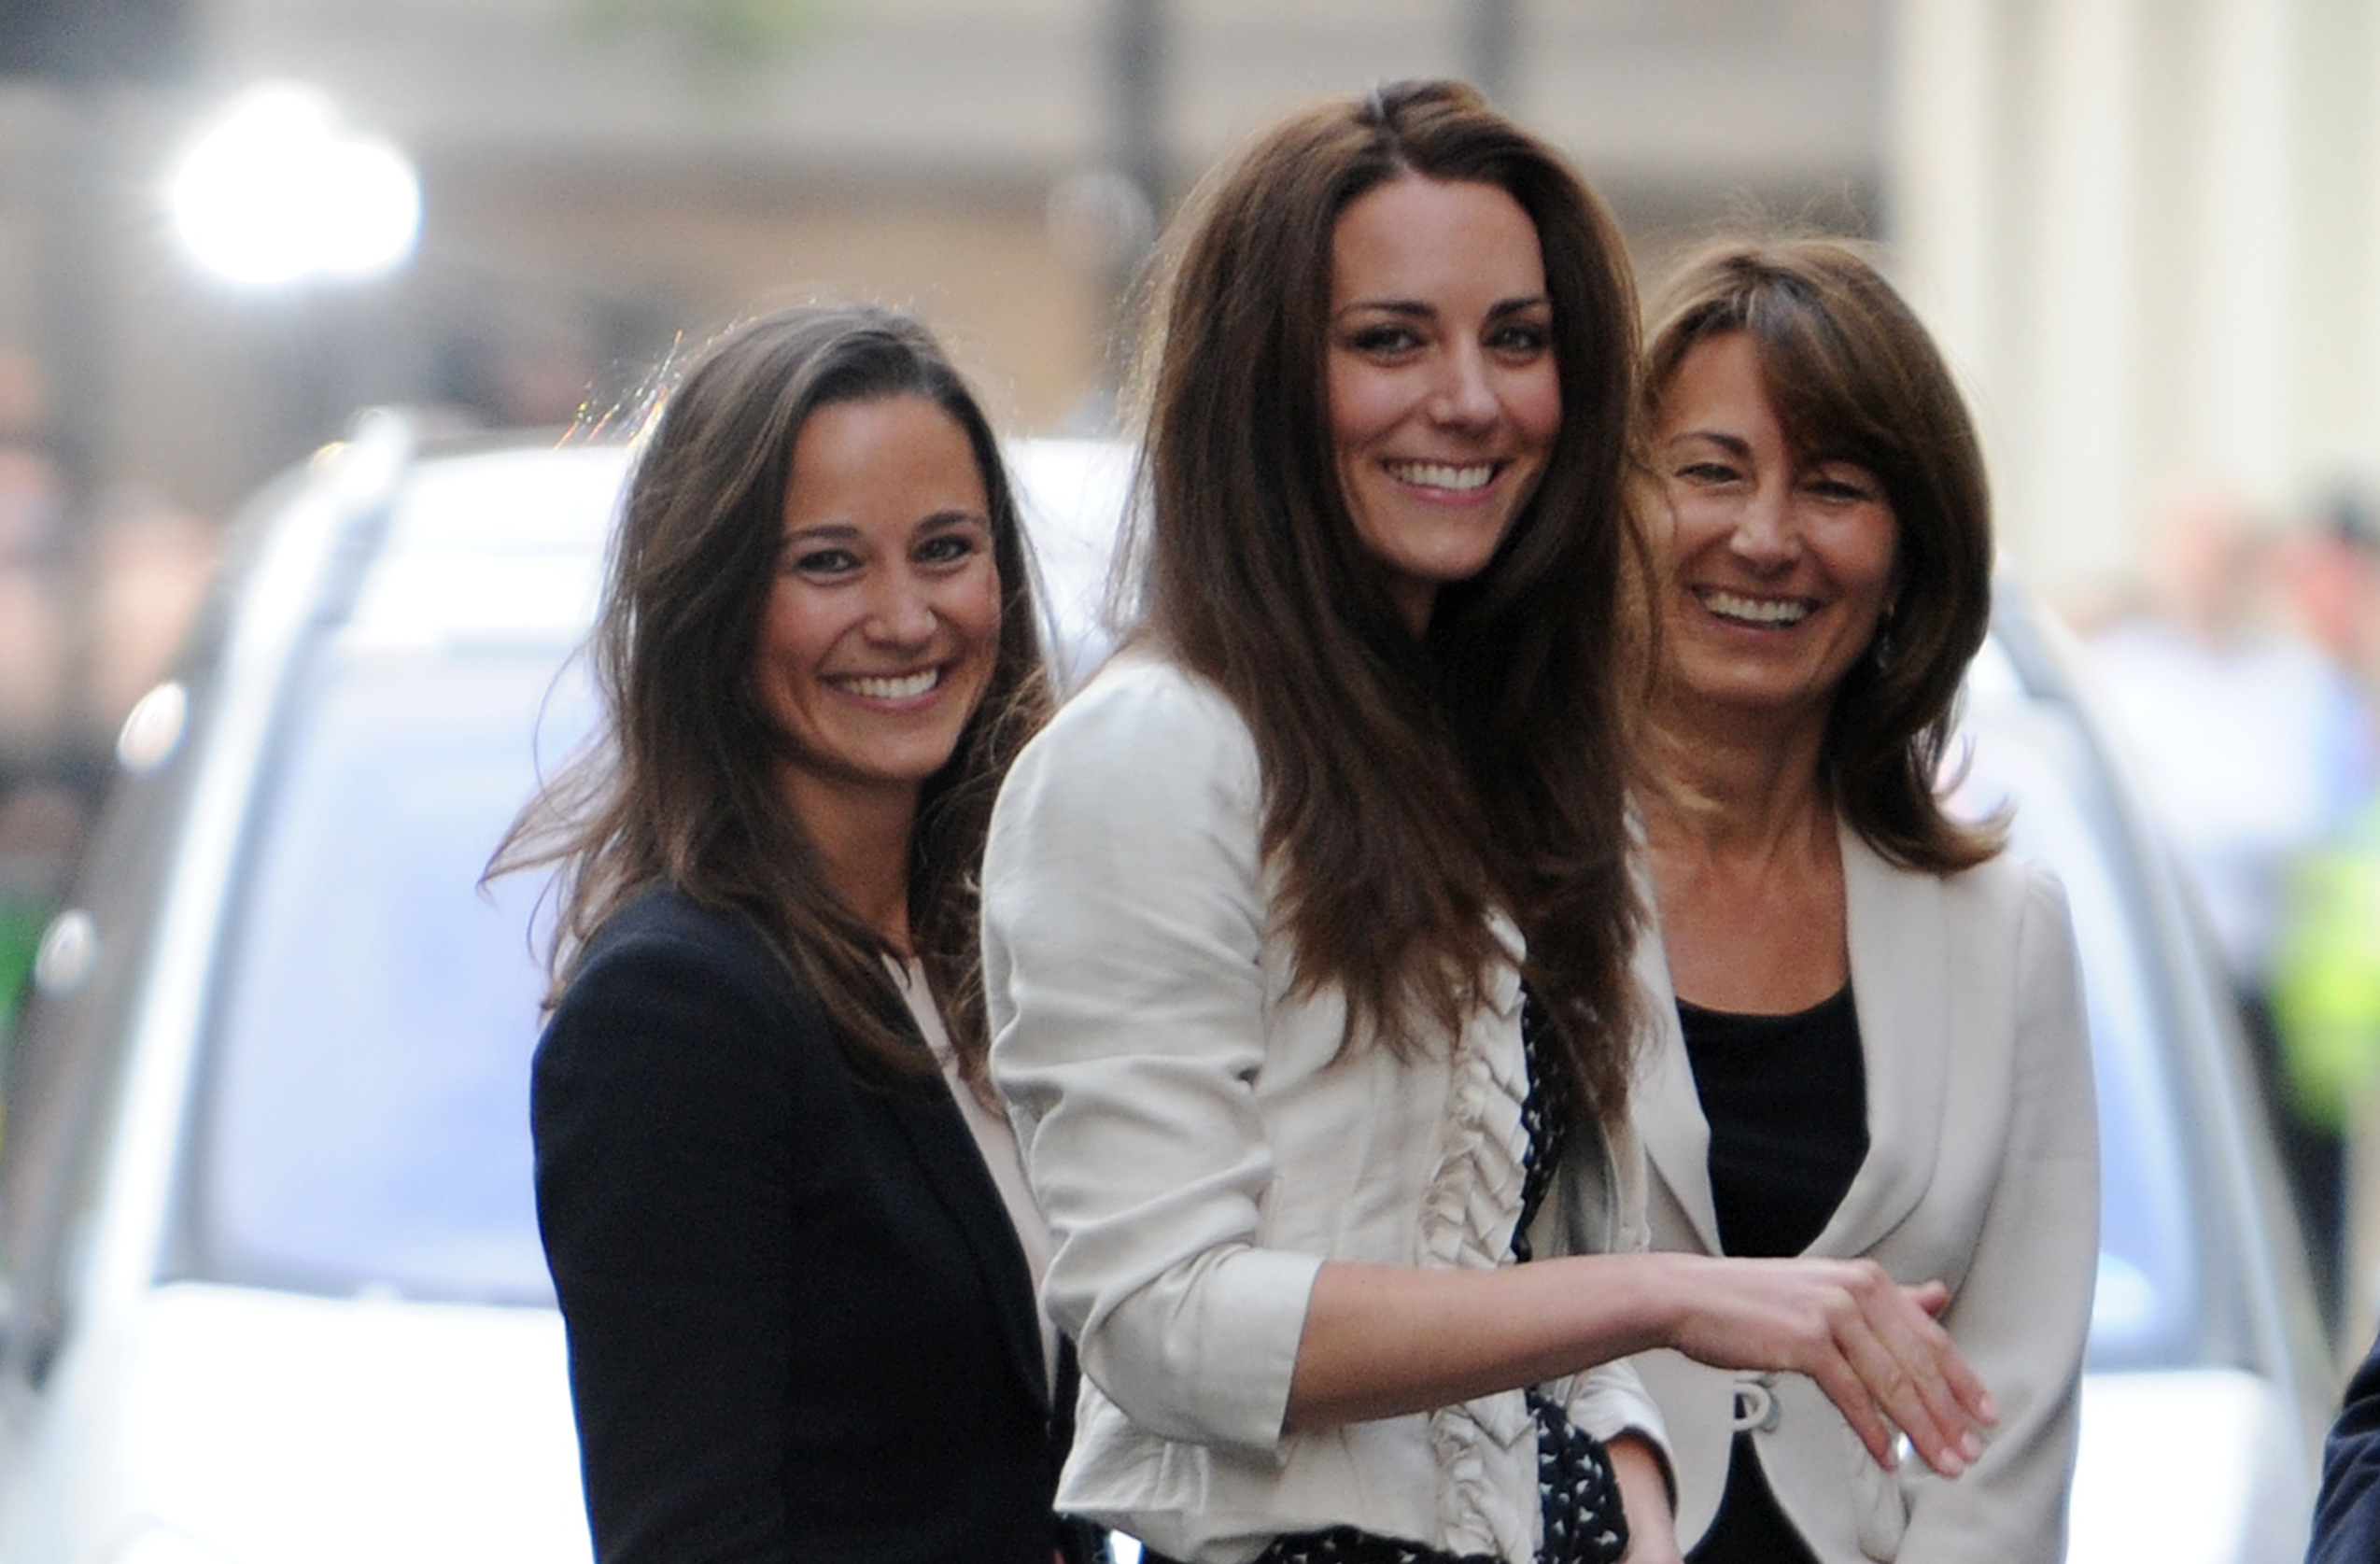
(1870, 1032)
(1307, 922)
(2253, 750)
(786, 1224)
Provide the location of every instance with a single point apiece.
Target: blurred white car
(270, 1285)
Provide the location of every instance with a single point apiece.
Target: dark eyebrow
(1734, 444)
(1420, 310)
(838, 532)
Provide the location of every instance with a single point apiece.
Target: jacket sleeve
(663, 1167)
(1122, 931)
(2022, 1312)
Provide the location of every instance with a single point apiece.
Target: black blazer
(800, 1324)
(2346, 1517)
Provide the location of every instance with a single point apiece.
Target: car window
(364, 1122)
(2032, 756)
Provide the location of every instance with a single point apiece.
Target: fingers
(1912, 1375)
(1874, 1347)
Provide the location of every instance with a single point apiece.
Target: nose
(1765, 535)
(1466, 394)
(900, 610)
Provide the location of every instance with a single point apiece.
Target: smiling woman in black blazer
(790, 1239)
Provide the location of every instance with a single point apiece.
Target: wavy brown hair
(1411, 785)
(1853, 375)
(679, 785)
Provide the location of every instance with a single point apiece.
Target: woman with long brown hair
(1869, 1034)
(786, 1223)
(1307, 923)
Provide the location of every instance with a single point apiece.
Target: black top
(800, 1324)
(1786, 1100)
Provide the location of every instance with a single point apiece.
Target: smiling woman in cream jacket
(1308, 924)
(1870, 1027)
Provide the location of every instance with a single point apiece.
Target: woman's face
(1443, 398)
(883, 621)
(1778, 561)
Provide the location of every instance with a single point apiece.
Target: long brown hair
(1852, 373)
(680, 787)
(1411, 785)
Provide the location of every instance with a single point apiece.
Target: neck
(861, 836)
(1735, 784)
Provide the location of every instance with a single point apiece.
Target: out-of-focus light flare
(278, 191)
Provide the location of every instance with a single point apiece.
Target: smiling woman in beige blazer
(1870, 1031)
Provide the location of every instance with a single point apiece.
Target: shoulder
(1143, 697)
(1145, 742)
(2005, 893)
(668, 980)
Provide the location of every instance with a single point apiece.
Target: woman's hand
(1872, 1345)
(1644, 1498)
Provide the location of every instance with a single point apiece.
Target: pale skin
(1383, 1341)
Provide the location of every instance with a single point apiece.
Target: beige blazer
(1982, 1171)
(1201, 1146)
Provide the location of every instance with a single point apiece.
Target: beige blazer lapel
(1901, 950)
(1665, 1107)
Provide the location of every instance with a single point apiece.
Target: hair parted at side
(1855, 376)
(680, 784)
(1412, 787)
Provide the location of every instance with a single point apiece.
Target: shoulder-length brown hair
(679, 785)
(1411, 786)
(1853, 375)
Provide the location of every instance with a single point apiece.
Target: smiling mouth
(907, 686)
(1457, 478)
(1756, 610)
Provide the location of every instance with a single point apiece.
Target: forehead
(1415, 238)
(1736, 372)
(902, 455)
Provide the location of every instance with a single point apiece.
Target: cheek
(1362, 404)
(1535, 404)
(975, 609)
(790, 632)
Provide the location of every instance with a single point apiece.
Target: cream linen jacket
(1982, 1171)
(1200, 1149)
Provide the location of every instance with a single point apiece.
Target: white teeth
(1758, 610)
(902, 688)
(1438, 475)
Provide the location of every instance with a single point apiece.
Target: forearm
(1381, 1340)
(1644, 1500)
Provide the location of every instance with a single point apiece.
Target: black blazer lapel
(944, 1148)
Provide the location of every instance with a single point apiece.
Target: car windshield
(365, 1124)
